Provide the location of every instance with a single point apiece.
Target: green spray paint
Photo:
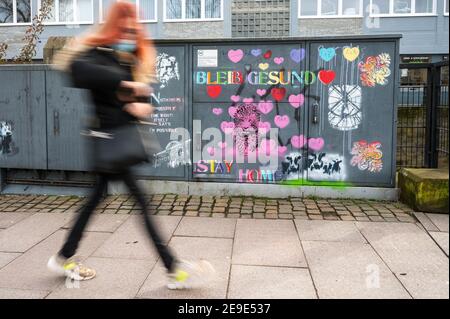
(305, 182)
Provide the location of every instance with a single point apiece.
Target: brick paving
(221, 207)
(300, 250)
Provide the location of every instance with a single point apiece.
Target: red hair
(111, 31)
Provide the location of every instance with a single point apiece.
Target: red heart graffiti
(327, 76)
(268, 54)
(214, 91)
(278, 94)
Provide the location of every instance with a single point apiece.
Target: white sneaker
(190, 274)
(70, 268)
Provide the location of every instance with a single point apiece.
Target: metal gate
(422, 129)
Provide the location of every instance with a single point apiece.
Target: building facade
(423, 23)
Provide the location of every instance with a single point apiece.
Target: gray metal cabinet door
(22, 119)
(351, 113)
(242, 91)
(172, 113)
(68, 110)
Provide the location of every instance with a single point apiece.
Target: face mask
(125, 46)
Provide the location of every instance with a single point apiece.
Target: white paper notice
(207, 58)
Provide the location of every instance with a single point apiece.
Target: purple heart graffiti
(256, 52)
(297, 55)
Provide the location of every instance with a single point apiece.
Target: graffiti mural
(174, 155)
(318, 105)
(375, 70)
(213, 167)
(7, 146)
(367, 156)
(247, 118)
(344, 103)
(318, 166)
(323, 166)
(166, 69)
(259, 83)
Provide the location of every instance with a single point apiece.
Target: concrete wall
(323, 27)
(13, 37)
(194, 30)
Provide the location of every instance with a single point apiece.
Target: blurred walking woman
(116, 64)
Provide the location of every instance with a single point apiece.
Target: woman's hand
(137, 89)
(139, 110)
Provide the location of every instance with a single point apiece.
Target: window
(104, 6)
(381, 6)
(330, 8)
(424, 6)
(402, 7)
(146, 8)
(446, 4)
(15, 12)
(213, 9)
(350, 7)
(308, 8)
(192, 10)
(71, 11)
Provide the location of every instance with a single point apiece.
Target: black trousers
(76, 233)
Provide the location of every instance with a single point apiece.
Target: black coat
(100, 71)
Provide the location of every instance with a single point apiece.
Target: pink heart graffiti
(261, 92)
(211, 151)
(298, 141)
(316, 144)
(232, 111)
(265, 107)
(217, 111)
(235, 98)
(248, 100)
(264, 127)
(281, 121)
(227, 127)
(282, 150)
(235, 55)
(296, 100)
(278, 60)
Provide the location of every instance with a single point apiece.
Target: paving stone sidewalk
(254, 258)
(224, 207)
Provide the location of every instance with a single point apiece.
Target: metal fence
(442, 107)
(422, 129)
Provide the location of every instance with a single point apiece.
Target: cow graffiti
(318, 166)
